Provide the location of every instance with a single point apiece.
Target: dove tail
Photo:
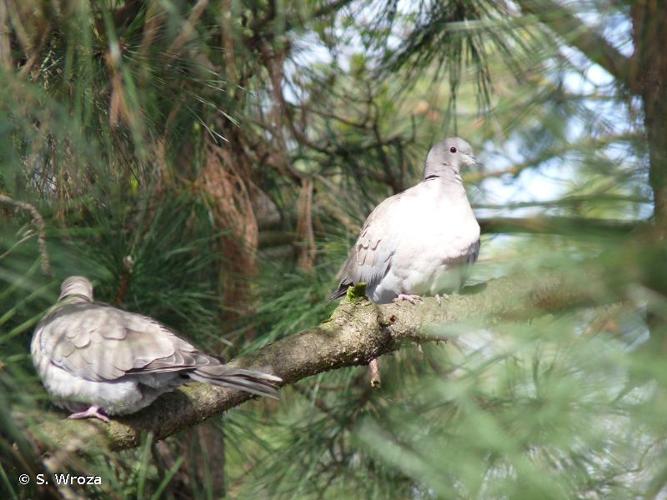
(258, 383)
(337, 294)
(341, 290)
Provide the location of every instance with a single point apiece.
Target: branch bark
(649, 74)
(355, 334)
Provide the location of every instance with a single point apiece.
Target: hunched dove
(420, 241)
(96, 360)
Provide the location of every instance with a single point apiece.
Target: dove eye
(452, 149)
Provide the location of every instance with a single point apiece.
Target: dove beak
(472, 161)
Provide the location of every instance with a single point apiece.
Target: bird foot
(410, 298)
(92, 412)
(439, 297)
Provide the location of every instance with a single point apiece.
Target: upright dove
(96, 360)
(418, 242)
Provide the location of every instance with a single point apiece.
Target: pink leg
(92, 412)
(410, 298)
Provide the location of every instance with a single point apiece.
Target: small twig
(38, 221)
(128, 264)
(374, 371)
(188, 30)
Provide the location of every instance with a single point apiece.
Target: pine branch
(575, 32)
(556, 151)
(355, 334)
(567, 201)
(539, 224)
(558, 225)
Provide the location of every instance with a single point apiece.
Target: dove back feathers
(94, 355)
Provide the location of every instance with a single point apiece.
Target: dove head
(446, 159)
(78, 286)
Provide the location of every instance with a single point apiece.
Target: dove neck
(68, 300)
(450, 178)
(74, 298)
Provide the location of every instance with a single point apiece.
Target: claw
(92, 412)
(410, 298)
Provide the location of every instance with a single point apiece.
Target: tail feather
(258, 383)
(340, 291)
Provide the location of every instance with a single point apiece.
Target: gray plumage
(90, 354)
(418, 242)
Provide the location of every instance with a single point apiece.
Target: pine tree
(209, 163)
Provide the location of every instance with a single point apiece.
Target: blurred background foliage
(210, 162)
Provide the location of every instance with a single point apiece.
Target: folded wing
(98, 342)
(370, 257)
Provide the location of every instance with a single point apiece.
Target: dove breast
(416, 242)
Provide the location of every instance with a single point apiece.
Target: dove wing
(370, 257)
(101, 343)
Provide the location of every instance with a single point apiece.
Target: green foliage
(533, 411)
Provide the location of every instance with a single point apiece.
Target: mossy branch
(356, 333)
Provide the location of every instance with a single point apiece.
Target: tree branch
(558, 225)
(355, 334)
(557, 151)
(38, 221)
(575, 32)
(570, 200)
